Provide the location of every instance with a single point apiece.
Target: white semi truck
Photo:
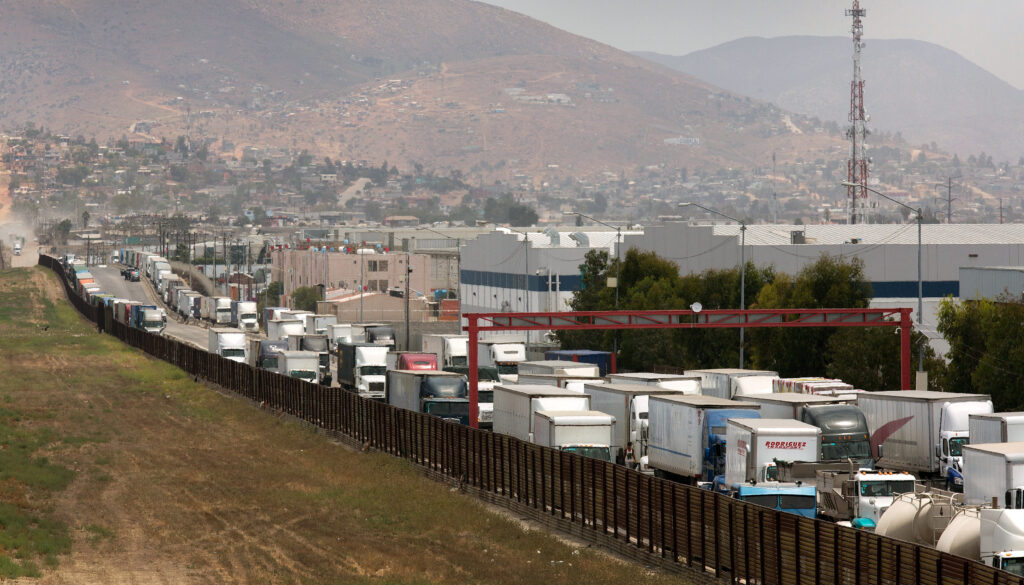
(362, 367)
(921, 431)
(228, 343)
(730, 383)
(451, 350)
(217, 310)
(299, 364)
(584, 432)
(244, 315)
(282, 328)
(515, 405)
(503, 354)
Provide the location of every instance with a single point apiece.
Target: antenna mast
(857, 166)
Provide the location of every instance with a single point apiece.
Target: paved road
(110, 280)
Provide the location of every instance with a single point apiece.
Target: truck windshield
(592, 452)
(458, 411)
(152, 324)
(1014, 566)
(302, 374)
(956, 446)
(508, 368)
(373, 370)
(485, 396)
(270, 363)
(460, 360)
(886, 489)
(768, 501)
(793, 502)
(248, 316)
(232, 352)
(833, 450)
(444, 386)
(228, 311)
(325, 360)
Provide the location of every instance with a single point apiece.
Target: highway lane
(110, 280)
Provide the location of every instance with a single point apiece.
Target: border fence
(709, 537)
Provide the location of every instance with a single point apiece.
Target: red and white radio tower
(857, 166)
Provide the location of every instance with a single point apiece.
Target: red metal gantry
(683, 319)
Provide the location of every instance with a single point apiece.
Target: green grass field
(117, 468)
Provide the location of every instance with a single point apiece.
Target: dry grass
(176, 483)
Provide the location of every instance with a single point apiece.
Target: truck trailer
(726, 382)
(999, 427)
(561, 368)
(991, 470)
(583, 432)
(515, 405)
(921, 431)
(629, 404)
(687, 435)
(680, 383)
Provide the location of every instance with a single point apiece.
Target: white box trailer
(560, 367)
(282, 328)
(629, 404)
(584, 432)
(999, 427)
(515, 405)
(810, 385)
(569, 382)
(318, 324)
(790, 405)
(687, 433)
(909, 426)
(679, 382)
(719, 382)
(754, 444)
(990, 470)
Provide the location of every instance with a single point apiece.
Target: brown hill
(447, 83)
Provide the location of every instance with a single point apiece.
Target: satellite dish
(696, 307)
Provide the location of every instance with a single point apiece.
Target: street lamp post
(743, 262)
(920, 301)
(618, 271)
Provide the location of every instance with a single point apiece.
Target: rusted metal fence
(706, 535)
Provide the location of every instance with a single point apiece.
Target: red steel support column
(905, 328)
(474, 377)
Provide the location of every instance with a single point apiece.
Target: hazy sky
(987, 32)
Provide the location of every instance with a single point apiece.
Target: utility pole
(775, 197)
(949, 199)
(408, 273)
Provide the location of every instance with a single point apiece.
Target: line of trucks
(135, 314)
(936, 468)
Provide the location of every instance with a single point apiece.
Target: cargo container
(560, 367)
(682, 384)
(999, 427)
(515, 405)
(687, 434)
(722, 382)
(629, 404)
(921, 431)
(567, 381)
(991, 470)
(583, 432)
(602, 359)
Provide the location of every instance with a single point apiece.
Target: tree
(85, 219)
(305, 298)
(271, 296)
(868, 358)
(828, 283)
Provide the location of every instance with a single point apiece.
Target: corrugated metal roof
(867, 234)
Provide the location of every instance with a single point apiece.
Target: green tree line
(865, 357)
